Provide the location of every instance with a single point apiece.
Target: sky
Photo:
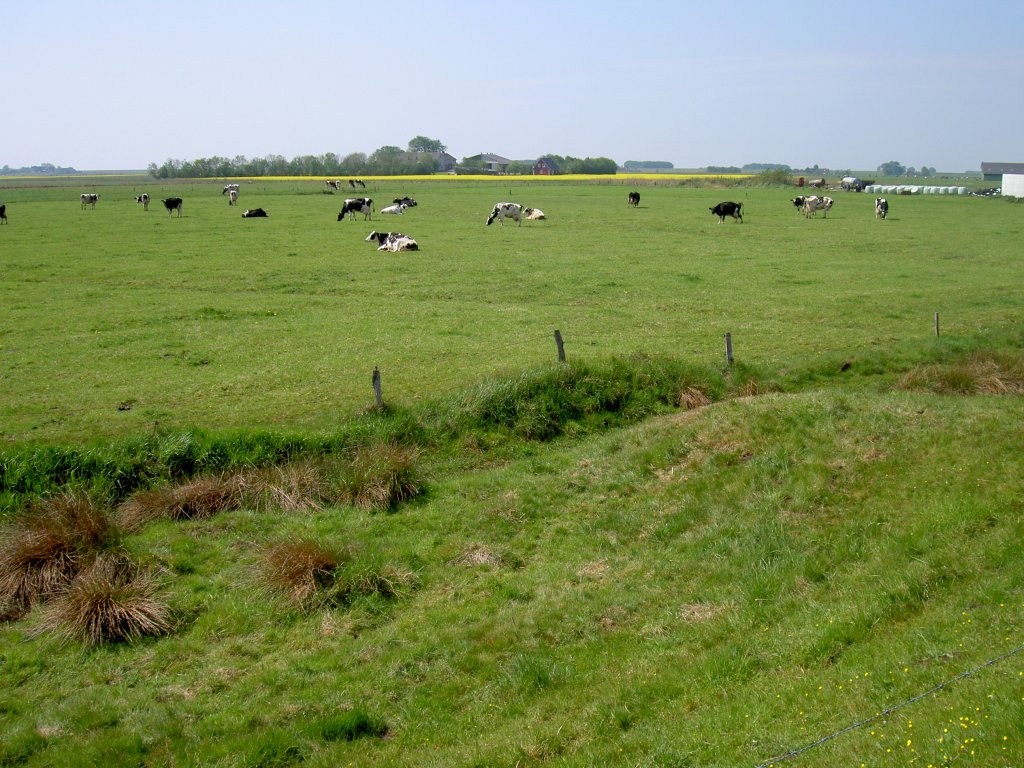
(841, 84)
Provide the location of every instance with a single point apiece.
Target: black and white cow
(728, 208)
(144, 199)
(381, 237)
(533, 214)
(356, 183)
(363, 205)
(634, 199)
(813, 204)
(332, 184)
(233, 197)
(881, 208)
(3, 213)
(392, 241)
(408, 202)
(88, 199)
(798, 203)
(255, 213)
(230, 187)
(173, 204)
(501, 210)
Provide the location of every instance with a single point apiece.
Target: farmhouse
(445, 162)
(994, 171)
(492, 163)
(545, 166)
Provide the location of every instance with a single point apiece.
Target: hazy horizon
(118, 86)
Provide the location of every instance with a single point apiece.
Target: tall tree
(423, 144)
(891, 168)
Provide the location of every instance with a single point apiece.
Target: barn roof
(992, 168)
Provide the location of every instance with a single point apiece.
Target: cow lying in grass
(392, 241)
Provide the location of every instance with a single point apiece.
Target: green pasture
(811, 558)
(116, 320)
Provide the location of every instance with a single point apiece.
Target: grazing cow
(3, 213)
(363, 205)
(173, 204)
(408, 202)
(333, 184)
(232, 197)
(634, 199)
(398, 208)
(356, 183)
(255, 213)
(501, 210)
(144, 199)
(881, 208)
(534, 214)
(728, 209)
(88, 199)
(229, 188)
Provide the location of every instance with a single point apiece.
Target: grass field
(641, 558)
(215, 321)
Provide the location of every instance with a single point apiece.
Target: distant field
(116, 319)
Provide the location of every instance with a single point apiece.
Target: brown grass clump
(380, 476)
(300, 486)
(200, 498)
(478, 554)
(300, 569)
(108, 601)
(979, 374)
(692, 398)
(41, 554)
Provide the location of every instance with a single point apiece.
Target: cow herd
(808, 205)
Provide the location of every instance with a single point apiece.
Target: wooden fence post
(728, 348)
(376, 387)
(560, 345)
(936, 323)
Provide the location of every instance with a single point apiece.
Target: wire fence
(888, 710)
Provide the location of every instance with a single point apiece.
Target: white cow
(501, 210)
(144, 199)
(534, 214)
(395, 209)
(813, 204)
(232, 197)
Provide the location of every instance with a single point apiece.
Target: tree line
(420, 157)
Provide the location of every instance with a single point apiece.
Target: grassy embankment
(629, 561)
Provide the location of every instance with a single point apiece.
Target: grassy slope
(714, 587)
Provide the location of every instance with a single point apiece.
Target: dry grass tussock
(200, 498)
(478, 554)
(300, 569)
(300, 486)
(40, 555)
(108, 601)
(692, 398)
(987, 373)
